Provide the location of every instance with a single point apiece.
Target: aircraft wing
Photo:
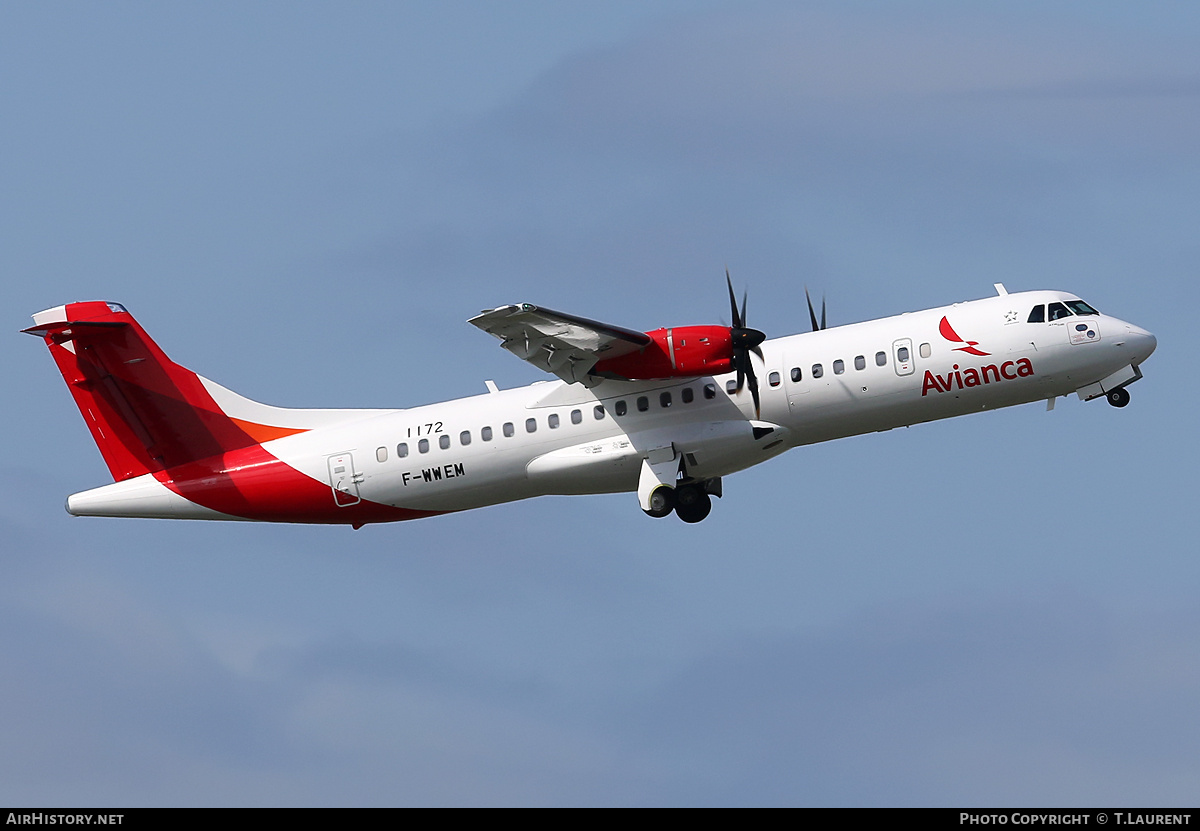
(559, 343)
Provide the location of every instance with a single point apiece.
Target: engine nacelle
(680, 352)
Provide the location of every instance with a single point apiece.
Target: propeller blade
(753, 387)
(745, 340)
(812, 314)
(733, 309)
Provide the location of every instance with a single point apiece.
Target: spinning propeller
(745, 341)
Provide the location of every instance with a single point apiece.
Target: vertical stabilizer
(146, 412)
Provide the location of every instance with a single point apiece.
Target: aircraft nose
(1143, 342)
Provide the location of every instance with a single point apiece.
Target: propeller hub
(744, 338)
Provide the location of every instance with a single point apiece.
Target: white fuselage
(558, 438)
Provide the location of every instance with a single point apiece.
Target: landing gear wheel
(693, 503)
(1119, 397)
(662, 502)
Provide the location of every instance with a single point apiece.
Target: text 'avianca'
(972, 377)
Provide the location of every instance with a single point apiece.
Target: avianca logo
(972, 377)
(968, 346)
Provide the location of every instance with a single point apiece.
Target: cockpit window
(1058, 311)
(1038, 315)
(1081, 308)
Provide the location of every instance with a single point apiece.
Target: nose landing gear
(1118, 397)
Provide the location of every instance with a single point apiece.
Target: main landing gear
(1118, 397)
(690, 502)
(664, 487)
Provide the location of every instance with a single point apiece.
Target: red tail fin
(146, 412)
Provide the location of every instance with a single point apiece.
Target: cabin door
(344, 480)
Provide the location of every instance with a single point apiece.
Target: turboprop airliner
(665, 414)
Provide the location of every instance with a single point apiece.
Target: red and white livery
(665, 414)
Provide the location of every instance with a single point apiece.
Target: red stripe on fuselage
(253, 484)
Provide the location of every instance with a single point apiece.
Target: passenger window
(552, 420)
(796, 374)
(622, 407)
(643, 403)
(423, 446)
(531, 425)
(381, 455)
(444, 441)
(402, 450)
(688, 395)
(576, 416)
(880, 359)
(486, 434)
(664, 400)
(710, 391)
(839, 366)
(464, 438)
(598, 412)
(773, 379)
(1038, 315)
(508, 429)
(902, 354)
(926, 350)
(817, 371)
(1058, 311)
(731, 386)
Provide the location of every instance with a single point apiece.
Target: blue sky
(306, 201)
